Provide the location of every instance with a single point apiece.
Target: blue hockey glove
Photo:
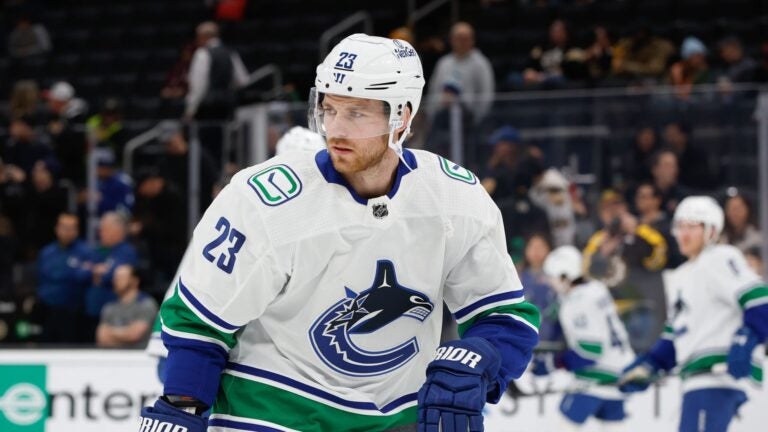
(164, 416)
(638, 375)
(543, 363)
(458, 382)
(740, 355)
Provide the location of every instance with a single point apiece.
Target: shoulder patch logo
(456, 171)
(276, 184)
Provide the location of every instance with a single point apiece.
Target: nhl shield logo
(380, 211)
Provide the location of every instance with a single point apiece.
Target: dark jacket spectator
(46, 200)
(555, 62)
(7, 255)
(24, 147)
(735, 66)
(107, 128)
(25, 102)
(636, 164)
(215, 73)
(113, 250)
(648, 201)
(694, 167)
(692, 69)
(28, 39)
(13, 192)
(67, 130)
(115, 187)
(62, 275)
(599, 55)
(127, 321)
(665, 171)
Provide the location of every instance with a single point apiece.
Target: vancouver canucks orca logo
(384, 302)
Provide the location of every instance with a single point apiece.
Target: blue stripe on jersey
(241, 425)
(461, 313)
(261, 373)
(756, 318)
(193, 368)
(513, 339)
(325, 165)
(204, 311)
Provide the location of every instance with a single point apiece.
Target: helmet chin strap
(397, 146)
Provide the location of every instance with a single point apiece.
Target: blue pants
(578, 407)
(710, 410)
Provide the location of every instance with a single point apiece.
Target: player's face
(690, 238)
(356, 132)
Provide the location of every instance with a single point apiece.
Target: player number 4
(226, 260)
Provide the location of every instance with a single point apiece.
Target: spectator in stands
(177, 80)
(537, 289)
(7, 255)
(25, 102)
(13, 196)
(636, 164)
(739, 229)
(664, 170)
(113, 251)
(466, 69)
(25, 146)
(46, 200)
(165, 237)
(642, 55)
(114, 186)
(693, 164)
(67, 129)
(648, 201)
(62, 275)
(735, 66)
(628, 257)
(215, 72)
(554, 63)
(551, 193)
(599, 55)
(761, 71)
(692, 69)
(127, 321)
(107, 128)
(174, 165)
(755, 260)
(500, 168)
(28, 39)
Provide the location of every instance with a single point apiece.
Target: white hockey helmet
(701, 209)
(299, 139)
(564, 262)
(371, 67)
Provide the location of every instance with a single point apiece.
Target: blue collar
(325, 165)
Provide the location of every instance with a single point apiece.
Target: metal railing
(345, 24)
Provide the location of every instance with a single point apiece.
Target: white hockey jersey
(707, 297)
(594, 331)
(330, 305)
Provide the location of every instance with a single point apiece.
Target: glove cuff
(470, 356)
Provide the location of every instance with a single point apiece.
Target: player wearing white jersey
(598, 345)
(718, 315)
(312, 299)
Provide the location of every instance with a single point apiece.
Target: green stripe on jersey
(705, 363)
(523, 310)
(755, 293)
(177, 316)
(597, 376)
(250, 399)
(157, 326)
(591, 347)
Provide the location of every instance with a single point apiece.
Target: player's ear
(406, 117)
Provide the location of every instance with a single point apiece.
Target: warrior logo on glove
(381, 304)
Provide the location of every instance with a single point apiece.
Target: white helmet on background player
(371, 67)
(299, 139)
(563, 263)
(704, 210)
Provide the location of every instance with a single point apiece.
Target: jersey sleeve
(227, 278)
(486, 297)
(736, 281)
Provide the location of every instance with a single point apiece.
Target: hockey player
(598, 346)
(718, 315)
(312, 299)
(299, 139)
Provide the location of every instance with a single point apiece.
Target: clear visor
(346, 117)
